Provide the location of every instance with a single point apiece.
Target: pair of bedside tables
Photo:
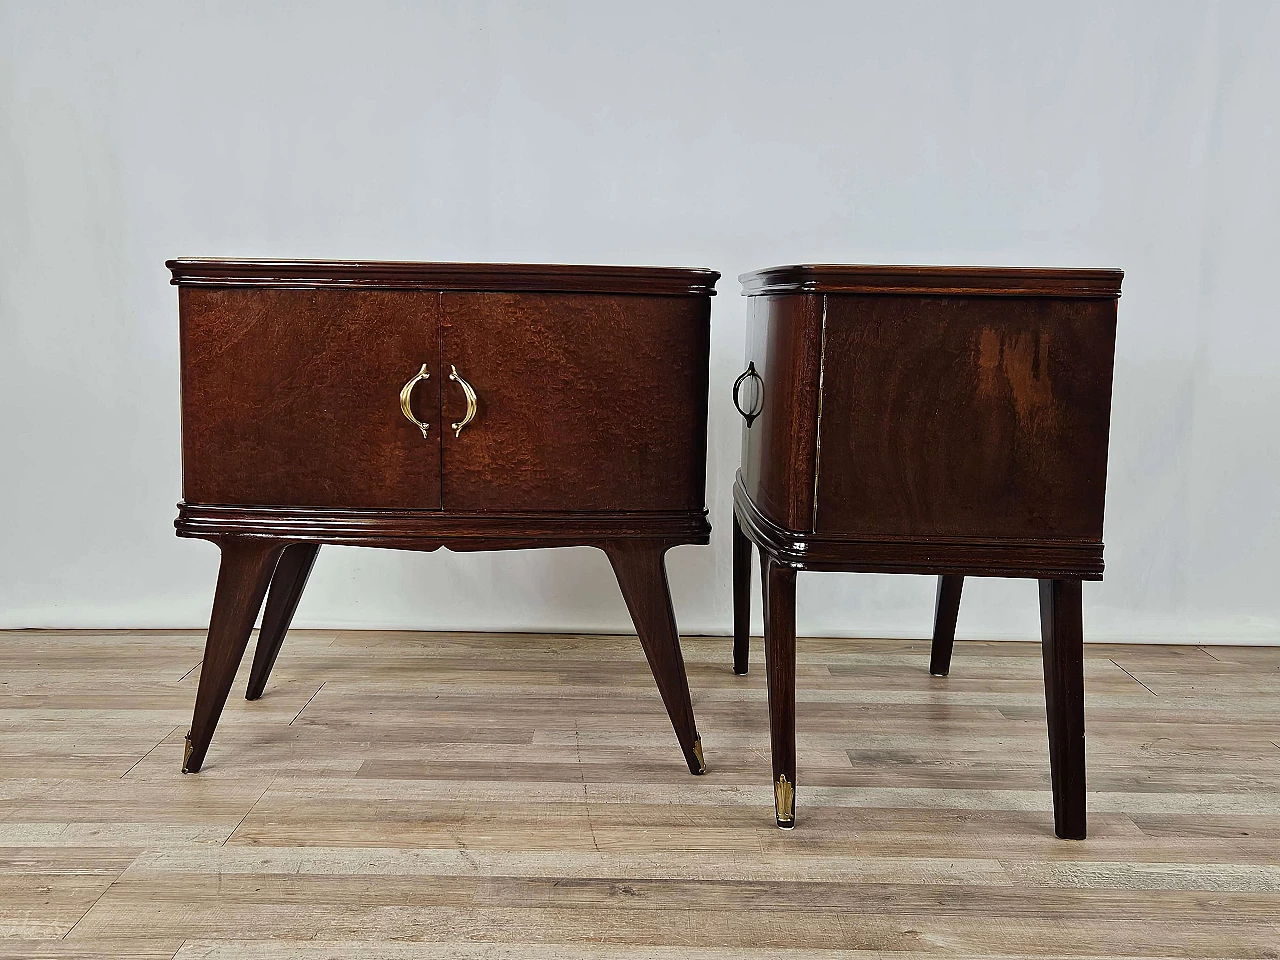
(948, 421)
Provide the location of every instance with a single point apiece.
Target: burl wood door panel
(586, 402)
(292, 397)
(965, 416)
(783, 342)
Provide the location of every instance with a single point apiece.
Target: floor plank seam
(267, 789)
(309, 699)
(114, 881)
(151, 751)
(586, 794)
(1137, 681)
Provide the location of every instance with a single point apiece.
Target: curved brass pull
(471, 401)
(406, 394)
(737, 384)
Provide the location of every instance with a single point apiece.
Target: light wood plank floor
(406, 795)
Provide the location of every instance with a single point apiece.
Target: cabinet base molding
(977, 557)
(432, 529)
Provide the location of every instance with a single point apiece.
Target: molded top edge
(495, 277)
(971, 281)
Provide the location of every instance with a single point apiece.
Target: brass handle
(737, 384)
(471, 401)
(406, 394)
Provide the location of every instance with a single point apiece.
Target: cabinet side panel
(965, 416)
(292, 398)
(784, 341)
(586, 402)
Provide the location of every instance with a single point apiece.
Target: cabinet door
(982, 417)
(586, 402)
(292, 397)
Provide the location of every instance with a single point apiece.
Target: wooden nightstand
(936, 420)
(427, 405)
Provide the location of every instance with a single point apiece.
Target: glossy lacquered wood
(286, 397)
(946, 610)
(778, 585)
(950, 421)
(431, 530)
(586, 402)
(965, 416)
(243, 578)
(741, 597)
(409, 275)
(287, 583)
(779, 451)
(589, 428)
(1062, 651)
(977, 556)
(642, 577)
(828, 278)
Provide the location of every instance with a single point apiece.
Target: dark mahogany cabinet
(939, 420)
(427, 405)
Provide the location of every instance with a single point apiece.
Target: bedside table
(425, 405)
(930, 420)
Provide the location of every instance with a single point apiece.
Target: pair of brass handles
(406, 394)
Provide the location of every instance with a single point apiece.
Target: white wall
(730, 135)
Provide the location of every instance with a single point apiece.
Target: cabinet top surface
(490, 277)
(970, 281)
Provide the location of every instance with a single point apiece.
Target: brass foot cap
(784, 802)
(697, 752)
(186, 752)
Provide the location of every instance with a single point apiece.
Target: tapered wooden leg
(287, 584)
(642, 576)
(946, 609)
(779, 589)
(247, 565)
(741, 599)
(1062, 647)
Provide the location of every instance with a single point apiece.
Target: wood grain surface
(407, 795)
(292, 397)
(779, 448)
(586, 402)
(965, 417)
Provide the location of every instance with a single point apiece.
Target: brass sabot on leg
(784, 802)
(697, 752)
